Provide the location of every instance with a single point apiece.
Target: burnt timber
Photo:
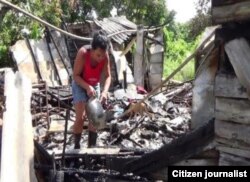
(224, 11)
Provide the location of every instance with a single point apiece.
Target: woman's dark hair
(100, 40)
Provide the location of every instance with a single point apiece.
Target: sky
(185, 9)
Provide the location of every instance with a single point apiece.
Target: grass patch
(186, 73)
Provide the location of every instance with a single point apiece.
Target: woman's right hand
(91, 91)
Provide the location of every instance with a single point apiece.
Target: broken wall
(25, 63)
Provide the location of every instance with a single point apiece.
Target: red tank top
(92, 74)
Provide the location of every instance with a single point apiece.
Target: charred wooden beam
(33, 58)
(89, 151)
(179, 90)
(225, 2)
(42, 156)
(234, 134)
(155, 41)
(65, 136)
(51, 56)
(231, 13)
(63, 104)
(227, 159)
(232, 31)
(70, 173)
(186, 146)
(117, 162)
(59, 53)
(228, 85)
(234, 151)
(128, 132)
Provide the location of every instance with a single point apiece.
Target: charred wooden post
(59, 53)
(65, 137)
(51, 56)
(39, 102)
(33, 58)
(60, 101)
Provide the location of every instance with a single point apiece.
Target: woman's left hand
(103, 97)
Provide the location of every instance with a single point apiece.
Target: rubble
(122, 140)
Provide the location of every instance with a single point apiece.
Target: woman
(88, 67)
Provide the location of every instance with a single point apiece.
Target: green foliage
(146, 12)
(182, 39)
(178, 47)
(12, 23)
(3, 55)
(202, 19)
(75, 11)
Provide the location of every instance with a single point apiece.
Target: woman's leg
(92, 135)
(79, 99)
(80, 113)
(79, 122)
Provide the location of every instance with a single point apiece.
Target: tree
(146, 12)
(12, 22)
(202, 19)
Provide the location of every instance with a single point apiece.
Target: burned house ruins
(201, 122)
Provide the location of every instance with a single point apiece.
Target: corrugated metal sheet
(116, 24)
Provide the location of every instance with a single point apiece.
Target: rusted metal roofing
(116, 24)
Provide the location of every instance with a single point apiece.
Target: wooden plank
(17, 159)
(234, 151)
(231, 143)
(57, 124)
(90, 151)
(236, 133)
(225, 2)
(235, 12)
(239, 56)
(232, 160)
(235, 110)
(203, 91)
(155, 80)
(155, 68)
(156, 58)
(227, 85)
(138, 59)
(129, 46)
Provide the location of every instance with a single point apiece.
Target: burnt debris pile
(121, 141)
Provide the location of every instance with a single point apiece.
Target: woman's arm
(77, 72)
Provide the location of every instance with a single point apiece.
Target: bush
(178, 48)
(11, 24)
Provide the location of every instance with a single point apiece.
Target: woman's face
(98, 55)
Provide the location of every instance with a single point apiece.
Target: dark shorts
(80, 94)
